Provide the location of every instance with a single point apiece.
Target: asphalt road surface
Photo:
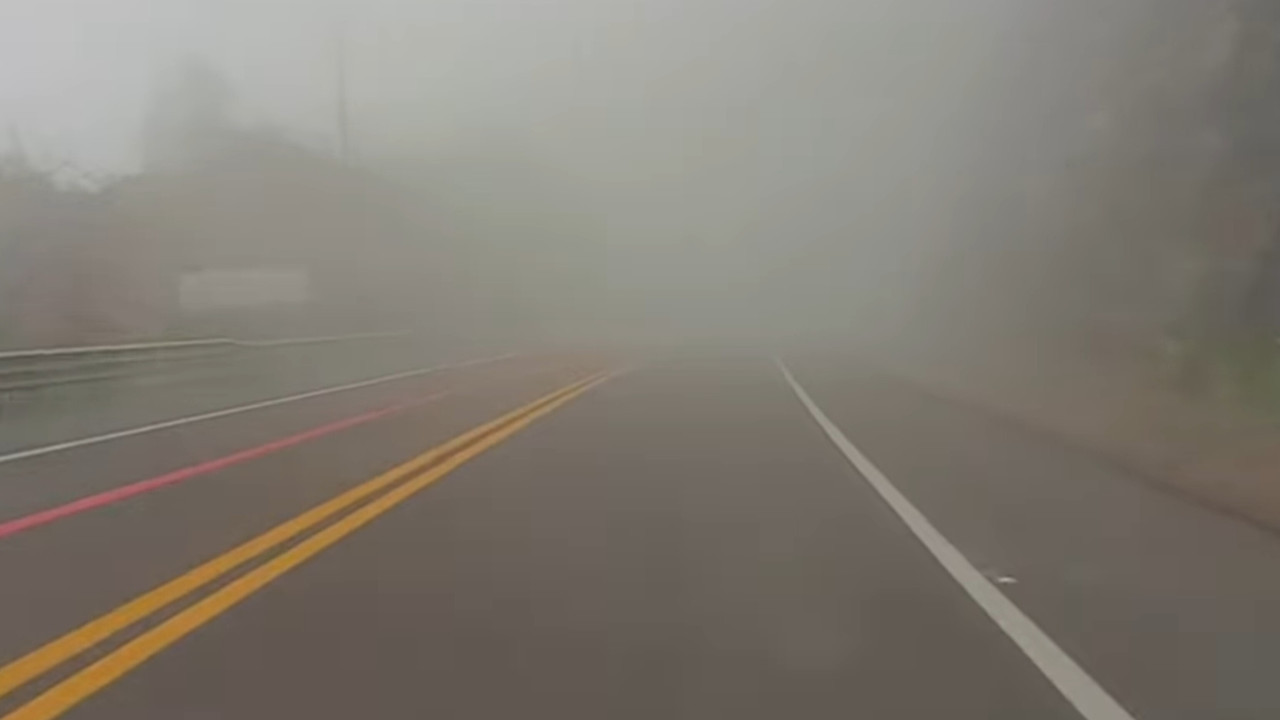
(703, 536)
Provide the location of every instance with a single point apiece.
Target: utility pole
(341, 120)
(18, 149)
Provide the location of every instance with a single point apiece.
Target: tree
(189, 119)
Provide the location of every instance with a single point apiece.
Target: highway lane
(682, 541)
(43, 416)
(60, 575)
(30, 483)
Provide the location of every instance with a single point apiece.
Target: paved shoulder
(1173, 607)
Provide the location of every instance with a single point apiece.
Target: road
(695, 536)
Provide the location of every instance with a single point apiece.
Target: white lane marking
(166, 424)
(1082, 691)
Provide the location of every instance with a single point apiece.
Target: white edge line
(1089, 698)
(176, 422)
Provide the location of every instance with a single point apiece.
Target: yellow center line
(446, 456)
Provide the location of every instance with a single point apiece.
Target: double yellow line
(422, 471)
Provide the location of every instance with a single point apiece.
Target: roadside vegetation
(467, 245)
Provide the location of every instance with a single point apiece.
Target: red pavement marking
(124, 492)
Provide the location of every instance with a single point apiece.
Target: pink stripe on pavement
(124, 492)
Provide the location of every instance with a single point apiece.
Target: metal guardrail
(28, 369)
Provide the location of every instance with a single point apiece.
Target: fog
(812, 171)
(1024, 253)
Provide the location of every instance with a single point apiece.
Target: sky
(75, 75)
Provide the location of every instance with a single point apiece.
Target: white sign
(242, 288)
